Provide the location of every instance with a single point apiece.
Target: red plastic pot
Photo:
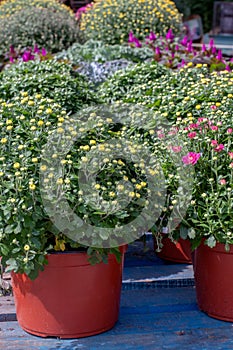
(213, 271)
(179, 252)
(70, 298)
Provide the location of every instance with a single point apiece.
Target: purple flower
(12, 50)
(219, 55)
(170, 35)
(152, 36)
(43, 51)
(211, 43)
(132, 39)
(190, 46)
(36, 49)
(27, 56)
(203, 49)
(184, 41)
(11, 59)
(157, 51)
(214, 50)
(228, 68)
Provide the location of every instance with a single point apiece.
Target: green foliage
(10, 7)
(111, 21)
(50, 78)
(134, 84)
(54, 30)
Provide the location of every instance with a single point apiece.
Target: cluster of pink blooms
(201, 127)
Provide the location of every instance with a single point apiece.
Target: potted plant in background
(209, 216)
(50, 250)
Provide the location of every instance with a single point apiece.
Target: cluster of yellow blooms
(9, 7)
(113, 20)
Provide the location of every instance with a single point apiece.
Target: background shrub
(54, 30)
(9, 7)
(51, 79)
(111, 21)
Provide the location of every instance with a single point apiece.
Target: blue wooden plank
(149, 319)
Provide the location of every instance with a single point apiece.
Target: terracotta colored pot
(213, 271)
(179, 252)
(70, 298)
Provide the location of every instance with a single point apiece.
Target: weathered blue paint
(154, 319)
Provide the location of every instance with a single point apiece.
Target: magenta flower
(230, 154)
(214, 142)
(193, 126)
(43, 51)
(184, 41)
(211, 43)
(27, 56)
(219, 55)
(151, 36)
(229, 131)
(219, 148)
(36, 49)
(203, 49)
(170, 36)
(12, 50)
(82, 10)
(228, 68)
(191, 158)
(157, 51)
(213, 50)
(132, 39)
(191, 135)
(213, 107)
(214, 127)
(190, 46)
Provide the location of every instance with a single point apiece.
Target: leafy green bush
(54, 30)
(171, 94)
(51, 79)
(9, 7)
(111, 21)
(98, 51)
(135, 83)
